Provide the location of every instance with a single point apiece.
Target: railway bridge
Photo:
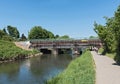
(55, 46)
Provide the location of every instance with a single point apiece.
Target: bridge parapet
(63, 43)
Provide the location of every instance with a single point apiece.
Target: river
(35, 70)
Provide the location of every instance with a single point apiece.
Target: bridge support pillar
(75, 51)
(54, 51)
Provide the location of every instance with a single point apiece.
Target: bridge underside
(62, 51)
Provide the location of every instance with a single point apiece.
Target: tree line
(110, 34)
(11, 33)
(38, 32)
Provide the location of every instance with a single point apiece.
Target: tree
(50, 34)
(57, 36)
(38, 32)
(116, 29)
(5, 36)
(4, 30)
(23, 38)
(106, 36)
(2, 33)
(13, 32)
(110, 34)
(93, 37)
(64, 37)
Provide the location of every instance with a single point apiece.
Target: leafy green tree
(110, 39)
(38, 32)
(5, 36)
(110, 34)
(57, 36)
(50, 34)
(101, 31)
(4, 30)
(64, 37)
(116, 29)
(13, 32)
(106, 36)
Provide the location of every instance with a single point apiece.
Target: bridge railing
(63, 43)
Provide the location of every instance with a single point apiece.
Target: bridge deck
(64, 43)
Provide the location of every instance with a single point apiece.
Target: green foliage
(13, 32)
(56, 36)
(116, 30)
(111, 55)
(23, 38)
(101, 50)
(8, 51)
(2, 33)
(93, 37)
(38, 32)
(106, 36)
(79, 71)
(110, 34)
(4, 30)
(64, 37)
(7, 38)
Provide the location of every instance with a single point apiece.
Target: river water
(35, 70)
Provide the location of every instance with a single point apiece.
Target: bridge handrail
(63, 40)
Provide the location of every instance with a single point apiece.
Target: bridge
(56, 45)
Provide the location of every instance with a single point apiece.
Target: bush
(7, 38)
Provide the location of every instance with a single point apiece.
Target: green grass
(80, 71)
(100, 50)
(111, 55)
(8, 50)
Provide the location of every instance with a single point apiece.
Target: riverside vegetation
(9, 51)
(111, 55)
(80, 71)
(109, 34)
(10, 34)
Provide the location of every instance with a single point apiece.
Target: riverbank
(80, 71)
(10, 52)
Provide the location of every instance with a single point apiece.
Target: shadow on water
(35, 70)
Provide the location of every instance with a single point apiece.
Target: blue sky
(63, 17)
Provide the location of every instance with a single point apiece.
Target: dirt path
(106, 70)
(22, 45)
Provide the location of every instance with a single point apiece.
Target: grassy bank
(8, 51)
(80, 71)
(111, 55)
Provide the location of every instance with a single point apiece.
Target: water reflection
(9, 72)
(33, 71)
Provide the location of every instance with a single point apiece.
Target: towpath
(107, 72)
(23, 45)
